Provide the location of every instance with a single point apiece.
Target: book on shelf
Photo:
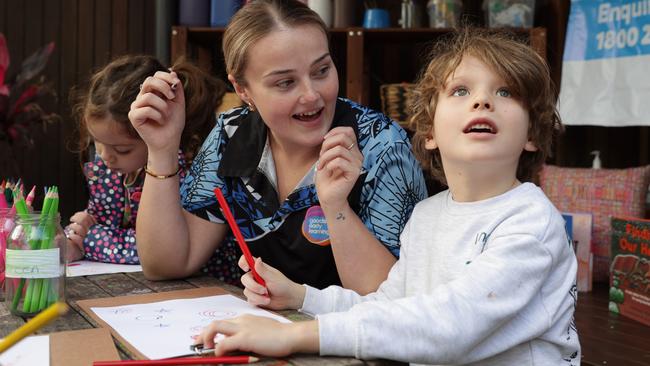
(629, 291)
(579, 228)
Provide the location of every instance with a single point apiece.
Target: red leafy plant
(21, 93)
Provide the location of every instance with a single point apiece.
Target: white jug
(322, 8)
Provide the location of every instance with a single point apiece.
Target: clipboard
(81, 347)
(85, 305)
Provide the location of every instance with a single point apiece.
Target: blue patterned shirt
(292, 235)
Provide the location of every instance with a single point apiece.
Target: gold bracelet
(158, 176)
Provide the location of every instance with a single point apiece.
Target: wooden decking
(608, 339)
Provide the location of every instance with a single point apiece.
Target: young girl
(105, 231)
(486, 274)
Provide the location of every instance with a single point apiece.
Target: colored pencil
(33, 294)
(3, 200)
(181, 361)
(55, 310)
(30, 196)
(240, 239)
(48, 291)
(21, 209)
(8, 192)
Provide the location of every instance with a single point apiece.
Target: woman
(320, 186)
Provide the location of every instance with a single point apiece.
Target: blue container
(194, 13)
(222, 10)
(376, 18)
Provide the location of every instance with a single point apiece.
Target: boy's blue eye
(504, 93)
(460, 92)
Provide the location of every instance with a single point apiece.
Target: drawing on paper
(166, 329)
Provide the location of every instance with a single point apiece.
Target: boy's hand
(261, 335)
(279, 293)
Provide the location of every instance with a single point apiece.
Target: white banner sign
(606, 66)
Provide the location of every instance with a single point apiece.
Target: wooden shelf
(606, 338)
(364, 57)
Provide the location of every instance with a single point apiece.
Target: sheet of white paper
(30, 351)
(167, 328)
(86, 268)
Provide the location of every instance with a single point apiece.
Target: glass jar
(35, 264)
(444, 13)
(6, 225)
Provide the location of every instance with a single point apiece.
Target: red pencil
(181, 361)
(30, 196)
(240, 239)
(3, 201)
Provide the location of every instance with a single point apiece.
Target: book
(579, 227)
(629, 291)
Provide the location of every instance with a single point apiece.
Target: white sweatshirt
(489, 282)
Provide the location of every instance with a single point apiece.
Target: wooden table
(121, 284)
(608, 339)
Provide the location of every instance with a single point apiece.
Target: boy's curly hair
(526, 73)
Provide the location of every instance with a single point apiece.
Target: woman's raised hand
(339, 166)
(158, 112)
(280, 292)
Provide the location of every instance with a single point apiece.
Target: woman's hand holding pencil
(158, 114)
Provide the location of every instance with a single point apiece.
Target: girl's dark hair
(113, 88)
(527, 75)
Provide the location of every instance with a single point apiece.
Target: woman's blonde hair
(528, 78)
(257, 19)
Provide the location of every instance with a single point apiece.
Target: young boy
(486, 273)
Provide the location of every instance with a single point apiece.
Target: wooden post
(538, 40)
(179, 43)
(355, 65)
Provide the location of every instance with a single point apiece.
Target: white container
(322, 8)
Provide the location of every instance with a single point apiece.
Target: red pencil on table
(181, 361)
(240, 239)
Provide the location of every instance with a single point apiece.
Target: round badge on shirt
(314, 227)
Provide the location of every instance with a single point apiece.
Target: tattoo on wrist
(340, 216)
